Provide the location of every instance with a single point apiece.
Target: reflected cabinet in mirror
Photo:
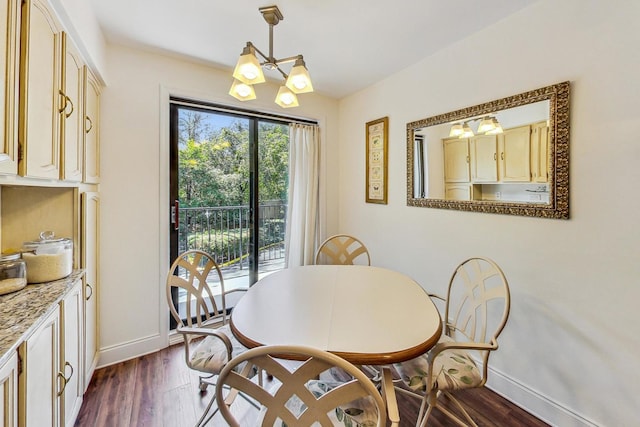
(509, 156)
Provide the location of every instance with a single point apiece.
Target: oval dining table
(366, 315)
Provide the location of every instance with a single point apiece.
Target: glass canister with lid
(13, 274)
(48, 258)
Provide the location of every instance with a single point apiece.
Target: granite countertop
(22, 312)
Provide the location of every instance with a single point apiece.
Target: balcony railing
(223, 231)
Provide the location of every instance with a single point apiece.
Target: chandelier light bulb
(299, 83)
(249, 72)
(243, 90)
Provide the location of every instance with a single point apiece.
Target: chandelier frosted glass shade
(466, 131)
(486, 125)
(456, 130)
(242, 91)
(299, 80)
(248, 69)
(286, 98)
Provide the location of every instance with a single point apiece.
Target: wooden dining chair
(208, 341)
(342, 249)
(305, 393)
(476, 310)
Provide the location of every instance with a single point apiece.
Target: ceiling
(347, 45)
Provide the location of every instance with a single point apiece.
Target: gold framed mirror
(508, 156)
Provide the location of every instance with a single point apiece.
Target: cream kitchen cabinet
(51, 382)
(72, 354)
(456, 160)
(41, 100)
(484, 158)
(9, 89)
(459, 191)
(501, 158)
(514, 163)
(540, 152)
(72, 123)
(9, 392)
(89, 261)
(39, 381)
(91, 128)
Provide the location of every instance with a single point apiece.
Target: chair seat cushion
(454, 369)
(360, 412)
(210, 354)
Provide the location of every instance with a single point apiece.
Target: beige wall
(135, 185)
(570, 350)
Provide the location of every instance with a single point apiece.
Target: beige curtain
(302, 212)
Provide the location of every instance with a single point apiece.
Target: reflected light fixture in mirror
(521, 167)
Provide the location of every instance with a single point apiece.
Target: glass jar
(48, 258)
(13, 273)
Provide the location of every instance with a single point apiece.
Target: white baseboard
(535, 403)
(131, 349)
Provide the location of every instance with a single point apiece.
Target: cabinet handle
(495, 156)
(64, 99)
(467, 159)
(502, 156)
(68, 101)
(90, 292)
(67, 379)
(90, 124)
(64, 383)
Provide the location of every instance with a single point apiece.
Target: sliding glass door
(229, 177)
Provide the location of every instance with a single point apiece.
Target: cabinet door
(540, 152)
(484, 165)
(72, 132)
(514, 161)
(458, 192)
(9, 69)
(89, 261)
(39, 383)
(91, 128)
(456, 160)
(72, 318)
(40, 100)
(9, 392)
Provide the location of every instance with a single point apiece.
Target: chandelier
(248, 70)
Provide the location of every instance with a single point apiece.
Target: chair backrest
(194, 273)
(478, 302)
(290, 398)
(342, 249)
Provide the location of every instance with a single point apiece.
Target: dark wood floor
(159, 390)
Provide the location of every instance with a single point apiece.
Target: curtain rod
(238, 111)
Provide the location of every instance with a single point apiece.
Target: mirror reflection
(506, 156)
(500, 156)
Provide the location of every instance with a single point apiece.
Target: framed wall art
(376, 157)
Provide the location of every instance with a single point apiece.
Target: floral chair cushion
(210, 355)
(454, 369)
(359, 413)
